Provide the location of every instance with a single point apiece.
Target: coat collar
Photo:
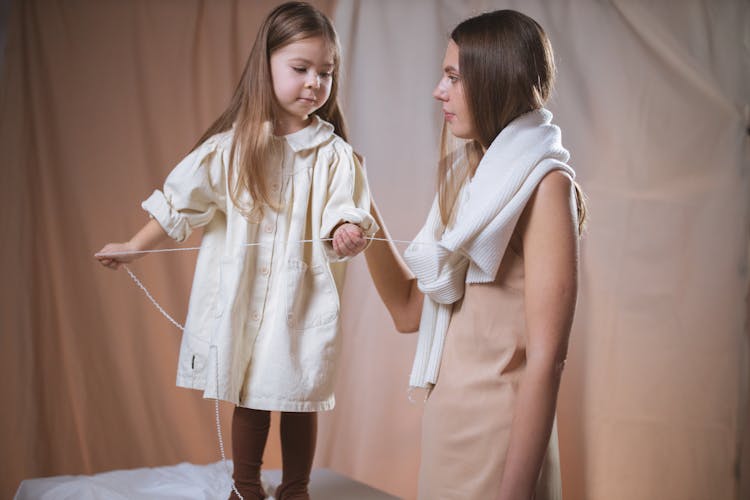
(312, 136)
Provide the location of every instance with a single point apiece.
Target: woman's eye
(452, 78)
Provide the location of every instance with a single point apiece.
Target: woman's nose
(439, 93)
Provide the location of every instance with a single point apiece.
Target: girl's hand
(148, 237)
(348, 240)
(115, 254)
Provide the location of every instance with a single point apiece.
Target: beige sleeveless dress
(467, 418)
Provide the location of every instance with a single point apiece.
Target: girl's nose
(313, 82)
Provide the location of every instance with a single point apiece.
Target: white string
(151, 298)
(218, 430)
(187, 249)
(216, 400)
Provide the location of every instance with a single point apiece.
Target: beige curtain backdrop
(99, 99)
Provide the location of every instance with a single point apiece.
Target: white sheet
(183, 481)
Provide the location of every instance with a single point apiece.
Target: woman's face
(450, 92)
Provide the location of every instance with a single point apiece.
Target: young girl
(494, 281)
(272, 181)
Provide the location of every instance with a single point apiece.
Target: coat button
(268, 228)
(264, 271)
(255, 316)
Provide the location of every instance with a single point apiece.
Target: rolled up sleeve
(192, 192)
(348, 199)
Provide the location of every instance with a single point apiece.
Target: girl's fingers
(354, 238)
(353, 241)
(336, 246)
(340, 245)
(346, 239)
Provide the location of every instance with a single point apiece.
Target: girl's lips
(448, 116)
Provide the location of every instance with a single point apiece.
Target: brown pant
(249, 434)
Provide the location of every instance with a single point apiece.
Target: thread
(216, 400)
(188, 249)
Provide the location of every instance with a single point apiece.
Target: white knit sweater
(470, 251)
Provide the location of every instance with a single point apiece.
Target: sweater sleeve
(193, 191)
(348, 198)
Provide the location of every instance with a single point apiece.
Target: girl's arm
(394, 282)
(550, 246)
(149, 237)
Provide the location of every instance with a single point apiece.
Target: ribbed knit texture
(471, 250)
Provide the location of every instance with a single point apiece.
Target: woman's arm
(394, 282)
(550, 249)
(149, 237)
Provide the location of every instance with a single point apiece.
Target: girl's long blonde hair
(507, 69)
(252, 109)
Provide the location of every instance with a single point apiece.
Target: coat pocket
(311, 297)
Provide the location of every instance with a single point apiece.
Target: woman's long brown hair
(252, 109)
(507, 69)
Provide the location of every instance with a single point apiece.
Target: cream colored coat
(263, 326)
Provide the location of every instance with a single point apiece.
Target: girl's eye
(326, 74)
(300, 70)
(452, 78)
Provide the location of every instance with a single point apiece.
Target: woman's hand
(348, 240)
(112, 255)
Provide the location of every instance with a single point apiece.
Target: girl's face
(450, 92)
(302, 74)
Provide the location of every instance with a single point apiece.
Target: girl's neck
(289, 126)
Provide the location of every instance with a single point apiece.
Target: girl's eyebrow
(450, 69)
(310, 63)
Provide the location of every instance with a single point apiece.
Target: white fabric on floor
(182, 482)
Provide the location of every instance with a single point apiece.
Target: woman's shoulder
(551, 202)
(555, 183)
(551, 194)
